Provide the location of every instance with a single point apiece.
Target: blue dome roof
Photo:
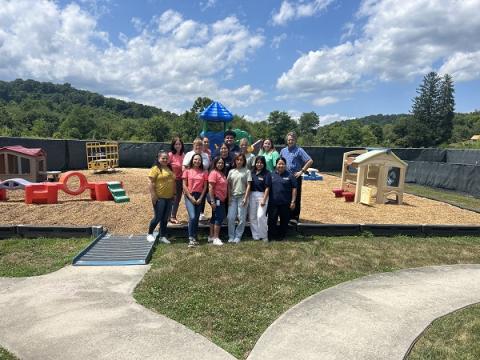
(216, 112)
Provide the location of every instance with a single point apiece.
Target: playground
(318, 206)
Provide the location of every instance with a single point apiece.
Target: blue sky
(341, 59)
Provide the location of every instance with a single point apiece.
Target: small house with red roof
(20, 162)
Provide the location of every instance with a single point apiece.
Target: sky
(340, 59)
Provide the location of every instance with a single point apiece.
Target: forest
(30, 108)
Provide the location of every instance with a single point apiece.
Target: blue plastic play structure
(312, 175)
(215, 112)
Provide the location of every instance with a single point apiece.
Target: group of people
(234, 182)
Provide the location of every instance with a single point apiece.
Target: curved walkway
(89, 313)
(374, 317)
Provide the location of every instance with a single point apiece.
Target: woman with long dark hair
(194, 187)
(271, 155)
(162, 192)
(175, 159)
(260, 189)
(227, 157)
(217, 186)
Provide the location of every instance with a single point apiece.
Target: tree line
(30, 108)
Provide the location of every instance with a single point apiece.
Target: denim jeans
(178, 196)
(218, 214)
(193, 215)
(235, 209)
(161, 210)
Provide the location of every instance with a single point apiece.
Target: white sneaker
(231, 240)
(202, 217)
(236, 241)
(265, 240)
(150, 238)
(217, 241)
(192, 243)
(210, 239)
(164, 240)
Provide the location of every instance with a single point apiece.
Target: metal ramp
(115, 250)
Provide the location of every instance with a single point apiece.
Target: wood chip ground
(318, 206)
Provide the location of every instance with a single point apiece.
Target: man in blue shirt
(298, 161)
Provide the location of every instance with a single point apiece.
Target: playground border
(49, 231)
(310, 229)
(304, 229)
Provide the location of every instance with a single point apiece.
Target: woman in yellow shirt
(162, 192)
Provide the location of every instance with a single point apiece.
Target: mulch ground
(318, 206)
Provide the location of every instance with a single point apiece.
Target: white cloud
(137, 23)
(258, 116)
(289, 11)
(169, 20)
(207, 4)
(316, 71)
(97, 7)
(349, 31)
(169, 63)
(327, 100)
(463, 66)
(275, 44)
(331, 118)
(400, 39)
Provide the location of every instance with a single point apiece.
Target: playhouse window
(41, 165)
(2, 163)
(25, 163)
(372, 172)
(393, 177)
(12, 164)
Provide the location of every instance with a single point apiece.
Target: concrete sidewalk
(89, 313)
(375, 317)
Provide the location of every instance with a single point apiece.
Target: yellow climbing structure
(102, 155)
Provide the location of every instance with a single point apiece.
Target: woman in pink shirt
(194, 187)
(217, 188)
(175, 159)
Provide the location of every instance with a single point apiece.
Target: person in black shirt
(281, 200)
(227, 158)
(260, 189)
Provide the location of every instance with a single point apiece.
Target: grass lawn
(30, 257)
(455, 336)
(231, 294)
(451, 197)
(5, 355)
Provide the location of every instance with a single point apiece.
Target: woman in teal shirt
(271, 155)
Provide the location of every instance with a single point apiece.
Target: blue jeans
(178, 196)
(218, 214)
(161, 210)
(235, 209)
(193, 215)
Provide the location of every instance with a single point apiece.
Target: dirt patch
(318, 205)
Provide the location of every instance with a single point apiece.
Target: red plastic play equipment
(47, 193)
(338, 192)
(349, 196)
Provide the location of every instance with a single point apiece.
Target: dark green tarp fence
(457, 170)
